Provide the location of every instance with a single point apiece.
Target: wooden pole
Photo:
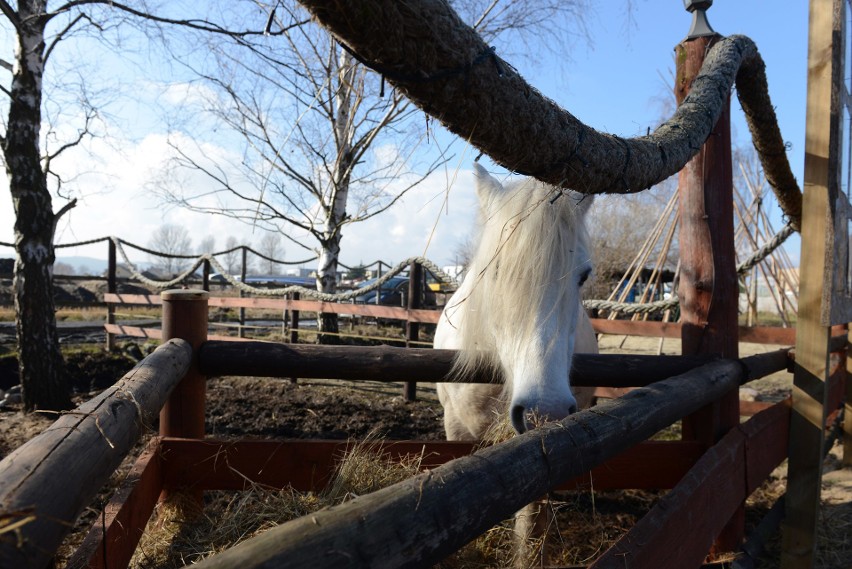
(242, 333)
(847, 409)
(807, 432)
(112, 288)
(294, 330)
(185, 317)
(421, 520)
(412, 329)
(708, 285)
(205, 275)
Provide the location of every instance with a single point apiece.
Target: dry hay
(180, 533)
(584, 523)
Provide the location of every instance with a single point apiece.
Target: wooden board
(816, 272)
(307, 465)
(653, 329)
(113, 538)
(282, 304)
(698, 508)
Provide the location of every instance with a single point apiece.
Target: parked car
(392, 292)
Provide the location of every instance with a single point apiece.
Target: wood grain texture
(81, 449)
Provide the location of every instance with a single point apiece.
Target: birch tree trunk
(341, 175)
(41, 367)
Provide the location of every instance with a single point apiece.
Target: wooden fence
(436, 512)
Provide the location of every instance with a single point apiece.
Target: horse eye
(584, 276)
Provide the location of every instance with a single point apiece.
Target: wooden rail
(435, 513)
(46, 483)
(757, 334)
(383, 363)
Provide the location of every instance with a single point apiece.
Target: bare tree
(170, 240)
(207, 245)
(272, 249)
(621, 225)
(233, 258)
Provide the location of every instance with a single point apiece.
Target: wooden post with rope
(709, 286)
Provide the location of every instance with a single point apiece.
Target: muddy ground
(255, 407)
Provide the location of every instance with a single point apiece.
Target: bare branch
(195, 24)
(62, 33)
(81, 134)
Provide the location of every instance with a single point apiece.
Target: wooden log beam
(47, 482)
(384, 363)
(442, 65)
(716, 486)
(436, 512)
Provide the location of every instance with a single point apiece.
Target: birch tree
(37, 28)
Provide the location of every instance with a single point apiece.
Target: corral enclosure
(712, 470)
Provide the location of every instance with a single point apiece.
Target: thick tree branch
(446, 68)
(10, 14)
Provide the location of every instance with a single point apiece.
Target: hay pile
(180, 533)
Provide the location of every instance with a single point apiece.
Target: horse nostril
(518, 416)
(572, 409)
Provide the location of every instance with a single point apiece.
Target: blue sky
(613, 85)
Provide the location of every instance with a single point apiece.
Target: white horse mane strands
(512, 268)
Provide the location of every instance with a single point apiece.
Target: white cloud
(117, 199)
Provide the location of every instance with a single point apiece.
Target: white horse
(519, 309)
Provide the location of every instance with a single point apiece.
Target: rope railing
(443, 65)
(662, 305)
(309, 292)
(198, 260)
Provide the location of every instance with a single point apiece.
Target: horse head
(520, 301)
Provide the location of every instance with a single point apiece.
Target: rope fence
(198, 260)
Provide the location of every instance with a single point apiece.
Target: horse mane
(531, 238)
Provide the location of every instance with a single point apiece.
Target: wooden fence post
(412, 329)
(242, 333)
(294, 322)
(185, 317)
(817, 267)
(205, 275)
(708, 287)
(294, 329)
(112, 288)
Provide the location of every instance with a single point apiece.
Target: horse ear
(486, 184)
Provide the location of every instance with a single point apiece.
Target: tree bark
(41, 367)
(339, 192)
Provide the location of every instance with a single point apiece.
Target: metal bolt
(700, 26)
